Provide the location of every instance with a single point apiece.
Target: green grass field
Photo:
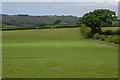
(56, 53)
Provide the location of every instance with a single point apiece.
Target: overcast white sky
(56, 7)
(60, 0)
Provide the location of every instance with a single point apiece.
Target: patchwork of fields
(56, 53)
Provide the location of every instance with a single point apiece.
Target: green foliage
(96, 36)
(85, 32)
(80, 25)
(117, 32)
(102, 37)
(96, 18)
(101, 32)
(65, 26)
(109, 38)
(115, 23)
(116, 40)
(113, 39)
(57, 21)
(108, 32)
(41, 26)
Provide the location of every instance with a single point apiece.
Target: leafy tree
(41, 26)
(95, 19)
(57, 21)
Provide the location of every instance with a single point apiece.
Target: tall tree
(57, 21)
(96, 18)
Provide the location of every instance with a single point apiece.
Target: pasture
(56, 53)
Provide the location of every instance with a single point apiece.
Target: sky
(52, 7)
(60, 0)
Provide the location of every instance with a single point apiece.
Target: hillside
(37, 20)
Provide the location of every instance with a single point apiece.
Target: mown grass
(56, 53)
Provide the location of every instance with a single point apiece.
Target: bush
(57, 22)
(102, 37)
(108, 32)
(117, 32)
(101, 33)
(109, 38)
(85, 32)
(116, 40)
(96, 36)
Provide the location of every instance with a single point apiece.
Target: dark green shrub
(116, 40)
(117, 32)
(57, 21)
(101, 32)
(108, 32)
(85, 32)
(109, 38)
(96, 36)
(102, 37)
(114, 33)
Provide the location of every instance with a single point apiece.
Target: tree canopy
(95, 19)
(57, 21)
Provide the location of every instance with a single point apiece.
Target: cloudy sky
(52, 7)
(60, 0)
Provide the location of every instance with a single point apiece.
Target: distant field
(56, 53)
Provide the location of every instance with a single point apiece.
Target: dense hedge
(110, 32)
(116, 40)
(25, 28)
(38, 27)
(96, 36)
(85, 32)
(102, 37)
(109, 38)
(113, 39)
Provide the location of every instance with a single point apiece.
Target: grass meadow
(56, 53)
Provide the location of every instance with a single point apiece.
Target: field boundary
(60, 79)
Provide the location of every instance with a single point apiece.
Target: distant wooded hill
(37, 20)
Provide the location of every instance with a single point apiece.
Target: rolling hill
(37, 20)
